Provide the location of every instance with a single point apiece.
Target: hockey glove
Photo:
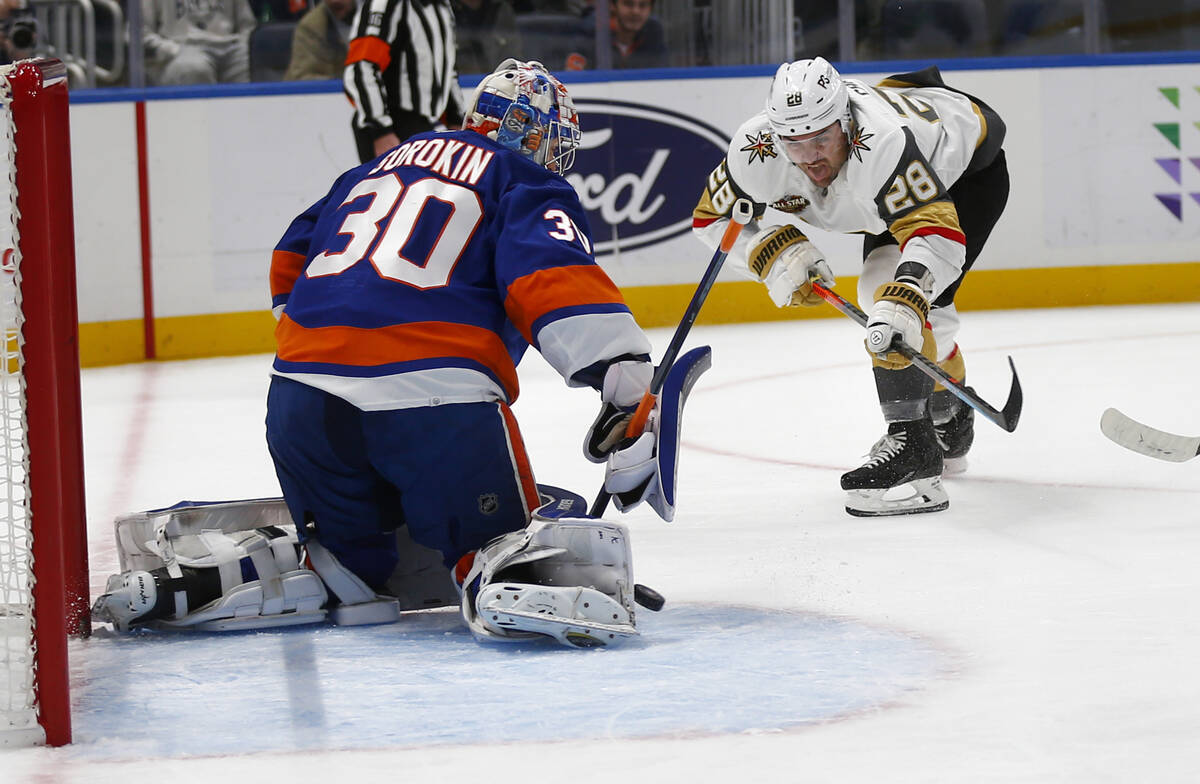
(900, 310)
(632, 474)
(625, 383)
(787, 263)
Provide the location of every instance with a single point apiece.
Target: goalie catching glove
(900, 310)
(787, 263)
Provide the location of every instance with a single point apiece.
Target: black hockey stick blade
(1146, 440)
(1006, 418)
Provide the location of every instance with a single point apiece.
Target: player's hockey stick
(1006, 418)
(741, 214)
(1146, 440)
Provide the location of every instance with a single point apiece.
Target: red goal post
(43, 538)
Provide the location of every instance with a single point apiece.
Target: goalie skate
(566, 578)
(902, 474)
(575, 616)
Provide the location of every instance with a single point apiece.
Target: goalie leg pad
(229, 565)
(216, 582)
(358, 604)
(578, 617)
(570, 579)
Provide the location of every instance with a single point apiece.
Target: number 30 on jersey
(428, 267)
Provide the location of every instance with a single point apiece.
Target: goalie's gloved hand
(787, 263)
(625, 383)
(900, 310)
(631, 475)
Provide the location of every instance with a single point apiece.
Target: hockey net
(43, 544)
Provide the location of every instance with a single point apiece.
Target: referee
(400, 73)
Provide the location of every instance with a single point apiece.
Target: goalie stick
(1146, 440)
(1006, 418)
(740, 215)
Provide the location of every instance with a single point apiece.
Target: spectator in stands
(486, 31)
(280, 10)
(197, 41)
(400, 72)
(18, 31)
(638, 39)
(321, 41)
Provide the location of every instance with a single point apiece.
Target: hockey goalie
(406, 297)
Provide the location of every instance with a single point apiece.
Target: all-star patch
(791, 204)
(761, 146)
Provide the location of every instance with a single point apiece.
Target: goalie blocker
(646, 469)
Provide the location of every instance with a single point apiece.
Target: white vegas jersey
(907, 146)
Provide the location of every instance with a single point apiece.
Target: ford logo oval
(640, 170)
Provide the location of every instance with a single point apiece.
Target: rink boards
(1105, 204)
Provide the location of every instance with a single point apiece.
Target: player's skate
(127, 597)
(902, 475)
(954, 423)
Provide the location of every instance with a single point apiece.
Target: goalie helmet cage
(43, 538)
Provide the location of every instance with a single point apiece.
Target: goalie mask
(524, 108)
(806, 96)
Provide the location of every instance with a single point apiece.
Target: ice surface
(1044, 628)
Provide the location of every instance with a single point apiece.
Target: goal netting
(43, 550)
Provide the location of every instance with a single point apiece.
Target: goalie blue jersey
(422, 277)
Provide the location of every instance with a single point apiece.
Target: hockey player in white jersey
(917, 167)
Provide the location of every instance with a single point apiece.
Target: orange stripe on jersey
(371, 49)
(534, 295)
(360, 347)
(521, 460)
(285, 270)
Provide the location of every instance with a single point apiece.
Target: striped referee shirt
(401, 60)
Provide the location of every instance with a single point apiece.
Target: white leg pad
(359, 605)
(244, 607)
(221, 536)
(578, 617)
(569, 579)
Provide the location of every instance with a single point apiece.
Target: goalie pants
(457, 475)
